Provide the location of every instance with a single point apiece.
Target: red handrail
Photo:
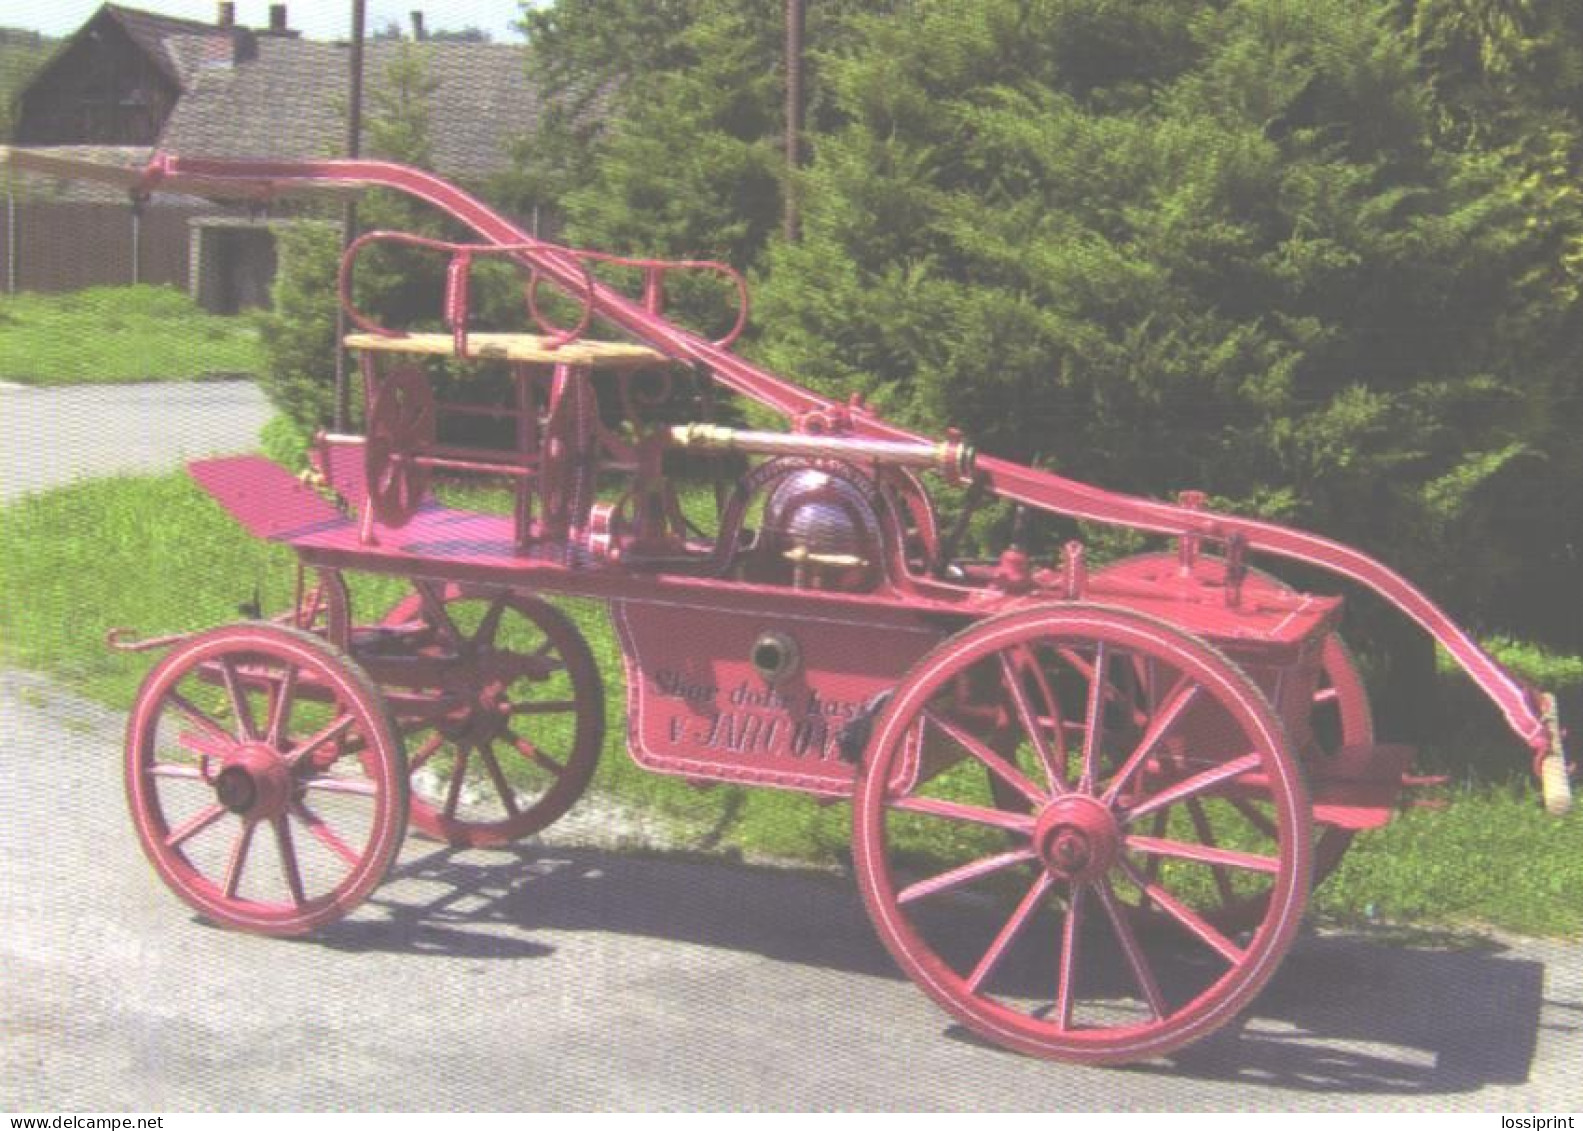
(457, 285)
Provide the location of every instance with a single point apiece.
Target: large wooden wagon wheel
(267, 782)
(520, 727)
(401, 427)
(1077, 921)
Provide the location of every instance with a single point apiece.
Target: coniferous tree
(1159, 246)
(1323, 259)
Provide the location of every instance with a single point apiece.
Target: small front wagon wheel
(1054, 807)
(267, 783)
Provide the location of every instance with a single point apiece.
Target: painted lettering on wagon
(804, 724)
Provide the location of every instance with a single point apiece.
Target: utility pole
(354, 145)
(796, 27)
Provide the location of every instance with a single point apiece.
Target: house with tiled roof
(289, 101)
(133, 82)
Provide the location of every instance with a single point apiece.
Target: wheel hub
(482, 703)
(1077, 839)
(488, 708)
(255, 783)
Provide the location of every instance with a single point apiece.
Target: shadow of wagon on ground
(1346, 1013)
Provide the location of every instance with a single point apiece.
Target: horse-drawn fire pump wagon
(1088, 802)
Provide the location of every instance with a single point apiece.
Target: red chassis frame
(1082, 703)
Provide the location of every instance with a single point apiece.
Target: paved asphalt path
(565, 975)
(54, 435)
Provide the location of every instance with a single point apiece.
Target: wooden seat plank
(515, 347)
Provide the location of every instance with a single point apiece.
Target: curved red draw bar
(1528, 711)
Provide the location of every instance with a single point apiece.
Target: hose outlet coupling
(775, 656)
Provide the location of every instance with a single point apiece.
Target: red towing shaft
(1530, 712)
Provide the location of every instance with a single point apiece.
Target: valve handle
(800, 555)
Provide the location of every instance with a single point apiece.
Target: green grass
(108, 335)
(1491, 856)
(157, 555)
(153, 555)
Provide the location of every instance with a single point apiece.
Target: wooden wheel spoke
(1208, 846)
(998, 765)
(1080, 665)
(1086, 670)
(963, 874)
(328, 783)
(453, 794)
(172, 770)
(962, 811)
(435, 612)
(288, 860)
(1008, 933)
(426, 751)
(544, 707)
(200, 719)
(237, 861)
(545, 660)
(205, 745)
(325, 835)
(1196, 785)
(1094, 724)
(513, 666)
(484, 634)
(246, 728)
(194, 825)
(1194, 923)
(1066, 974)
(330, 733)
(1254, 817)
(415, 418)
(282, 698)
(508, 796)
(1159, 726)
(1051, 703)
(1054, 764)
(1216, 857)
(1142, 973)
(1151, 866)
(538, 757)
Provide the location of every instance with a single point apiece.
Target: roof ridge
(185, 23)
